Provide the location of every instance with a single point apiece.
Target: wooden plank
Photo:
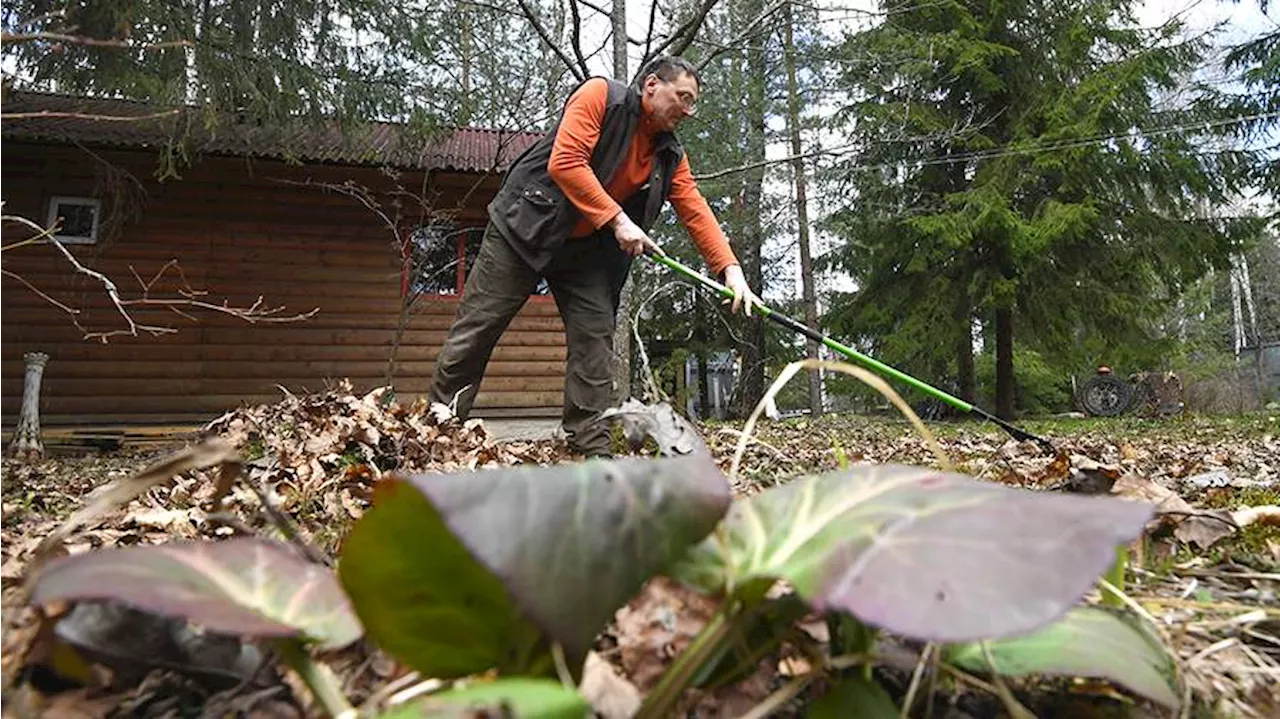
(20, 314)
(142, 405)
(62, 388)
(185, 351)
(201, 419)
(300, 335)
(108, 371)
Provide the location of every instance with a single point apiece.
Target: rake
(869, 362)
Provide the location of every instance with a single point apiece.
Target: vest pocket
(530, 213)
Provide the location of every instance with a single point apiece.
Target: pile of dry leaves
(318, 456)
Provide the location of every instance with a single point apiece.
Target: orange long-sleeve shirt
(570, 168)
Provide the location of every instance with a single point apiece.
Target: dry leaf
(208, 453)
(163, 518)
(1205, 528)
(1267, 515)
(656, 626)
(610, 695)
(1202, 528)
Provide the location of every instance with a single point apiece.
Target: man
(575, 209)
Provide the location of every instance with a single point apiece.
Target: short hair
(668, 68)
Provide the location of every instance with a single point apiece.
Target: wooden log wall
(239, 234)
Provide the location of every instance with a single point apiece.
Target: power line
(993, 153)
(1070, 144)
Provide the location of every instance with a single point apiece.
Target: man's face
(669, 103)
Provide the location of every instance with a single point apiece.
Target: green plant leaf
(854, 696)
(245, 586)
(519, 697)
(1087, 642)
(926, 554)
(451, 573)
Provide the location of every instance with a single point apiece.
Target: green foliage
(1087, 642)
(425, 63)
(513, 696)
(854, 696)
(604, 528)
(1040, 387)
(1008, 162)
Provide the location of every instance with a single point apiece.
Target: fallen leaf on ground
(656, 626)
(1268, 515)
(1199, 527)
(611, 696)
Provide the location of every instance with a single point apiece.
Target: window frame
(55, 201)
(462, 235)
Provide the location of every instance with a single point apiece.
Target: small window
(434, 258)
(80, 219)
(441, 256)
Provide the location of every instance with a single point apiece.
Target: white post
(26, 445)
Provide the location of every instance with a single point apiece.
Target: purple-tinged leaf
(451, 573)
(244, 586)
(925, 554)
(1088, 642)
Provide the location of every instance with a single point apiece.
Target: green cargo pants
(585, 278)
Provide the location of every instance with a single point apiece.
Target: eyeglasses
(688, 101)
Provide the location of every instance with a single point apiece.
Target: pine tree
(1052, 190)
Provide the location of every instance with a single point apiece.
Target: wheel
(1106, 396)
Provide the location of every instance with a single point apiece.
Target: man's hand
(742, 294)
(631, 238)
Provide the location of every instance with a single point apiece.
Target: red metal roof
(468, 149)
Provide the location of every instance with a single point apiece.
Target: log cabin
(341, 226)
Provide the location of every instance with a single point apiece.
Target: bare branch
(62, 14)
(50, 114)
(90, 41)
(960, 128)
(38, 291)
(252, 314)
(577, 38)
(488, 6)
(684, 35)
(597, 8)
(648, 35)
(529, 15)
(748, 31)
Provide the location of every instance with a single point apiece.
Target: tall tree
(263, 61)
(622, 335)
(751, 193)
(1065, 199)
(809, 293)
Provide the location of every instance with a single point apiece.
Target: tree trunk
(1004, 363)
(465, 43)
(808, 291)
(752, 385)
(622, 333)
(619, 19)
(965, 382)
(26, 445)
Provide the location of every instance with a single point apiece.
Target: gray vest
(532, 212)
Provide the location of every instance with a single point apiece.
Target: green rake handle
(882, 368)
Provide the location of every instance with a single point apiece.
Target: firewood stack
(26, 445)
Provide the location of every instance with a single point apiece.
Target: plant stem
(677, 677)
(1115, 576)
(776, 700)
(319, 678)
